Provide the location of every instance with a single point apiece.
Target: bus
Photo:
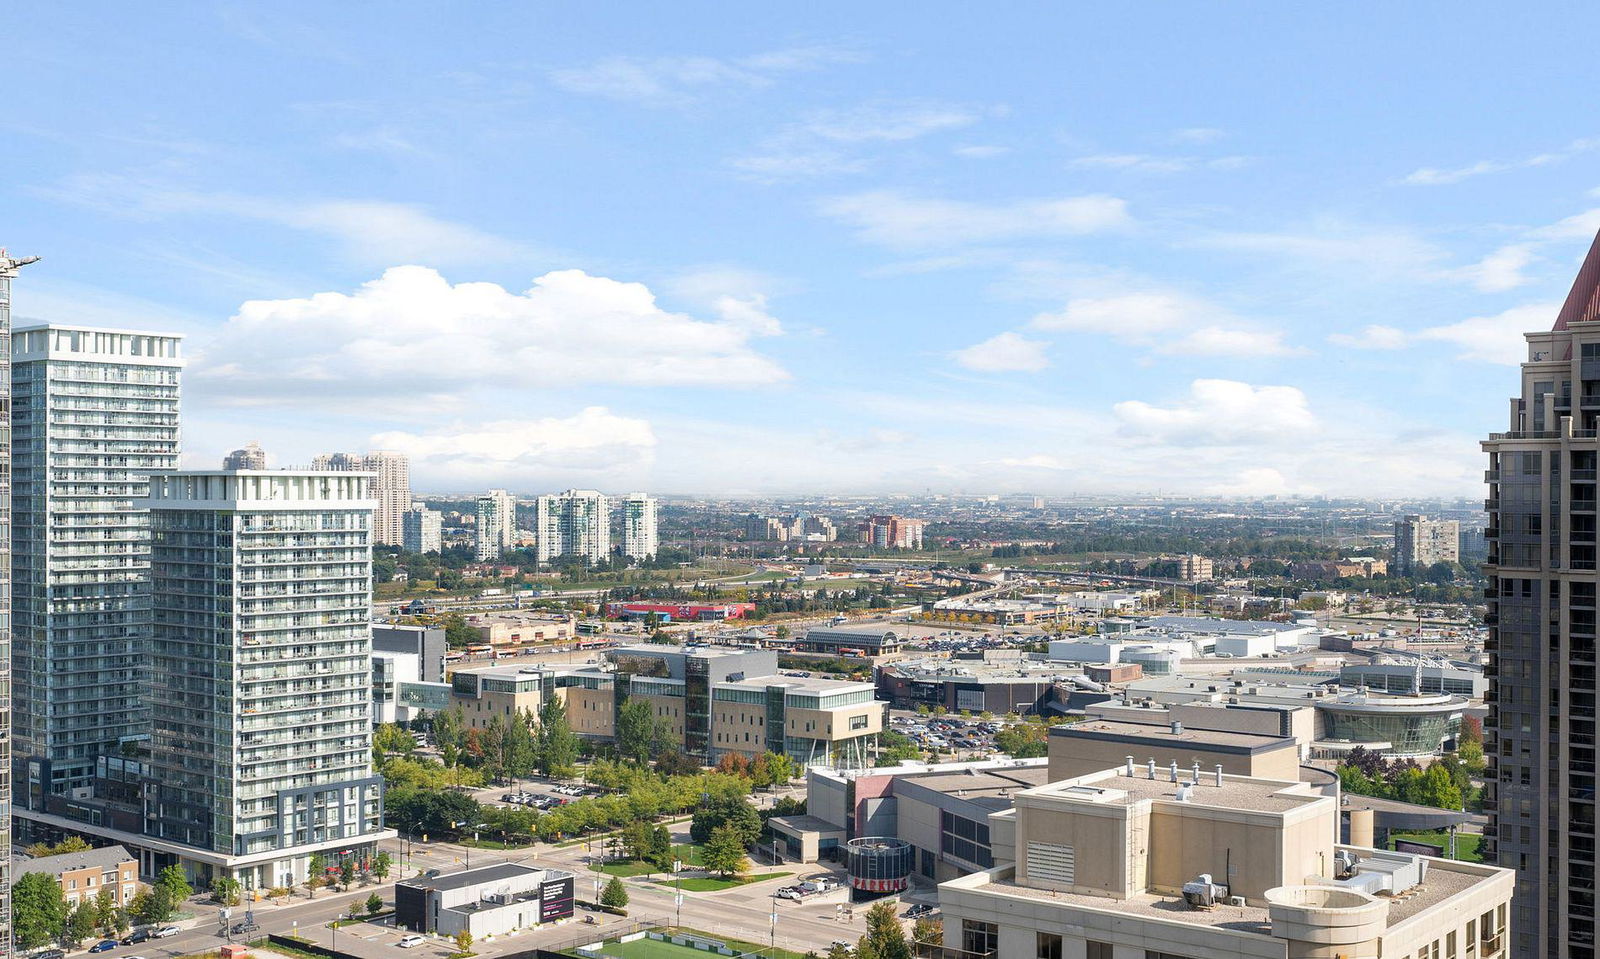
(481, 649)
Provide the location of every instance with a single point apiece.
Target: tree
(464, 943)
(39, 850)
(895, 747)
(1471, 730)
(173, 879)
(38, 910)
(640, 734)
(556, 743)
(105, 911)
(158, 906)
(392, 738)
(316, 874)
(457, 633)
(723, 852)
(374, 904)
(381, 863)
(347, 874)
(80, 923)
(660, 854)
(225, 889)
(1023, 741)
(885, 936)
(717, 811)
(928, 929)
(614, 894)
(839, 951)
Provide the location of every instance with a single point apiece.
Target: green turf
(717, 885)
(648, 948)
(630, 867)
(1467, 844)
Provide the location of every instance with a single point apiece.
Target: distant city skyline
(676, 252)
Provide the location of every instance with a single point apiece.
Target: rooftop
(1156, 734)
(100, 858)
(1210, 624)
(1236, 792)
(495, 872)
(992, 787)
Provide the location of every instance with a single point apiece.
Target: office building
(1541, 536)
(497, 524)
(8, 271)
(421, 529)
(893, 532)
(494, 900)
(249, 457)
(1130, 862)
(1419, 542)
(1194, 568)
(576, 523)
(425, 642)
(95, 414)
(639, 540)
(391, 488)
(262, 588)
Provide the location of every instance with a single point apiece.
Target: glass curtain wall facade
(95, 415)
(261, 661)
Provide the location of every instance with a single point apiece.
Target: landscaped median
(678, 944)
(715, 884)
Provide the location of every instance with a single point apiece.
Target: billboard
(555, 899)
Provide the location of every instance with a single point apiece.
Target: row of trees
(1445, 783)
(41, 915)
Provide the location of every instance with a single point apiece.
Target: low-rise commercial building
(493, 900)
(84, 874)
(1077, 749)
(427, 643)
(850, 640)
(1122, 864)
(509, 632)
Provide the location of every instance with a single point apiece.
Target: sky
(697, 248)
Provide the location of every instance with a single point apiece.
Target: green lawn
(717, 885)
(1468, 845)
(648, 948)
(628, 867)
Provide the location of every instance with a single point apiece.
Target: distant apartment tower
(1195, 569)
(573, 523)
(497, 524)
(1541, 536)
(893, 532)
(639, 534)
(421, 530)
(95, 414)
(767, 528)
(1419, 542)
(262, 586)
(392, 490)
(249, 457)
(818, 528)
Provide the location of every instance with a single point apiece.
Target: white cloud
(592, 442)
(1495, 339)
(1259, 481)
(827, 142)
(1166, 323)
(1221, 412)
(411, 333)
(1373, 337)
(1435, 176)
(980, 151)
(1006, 352)
(679, 81)
(897, 220)
(1146, 163)
(1579, 226)
(1198, 135)
(1501, 270)
(1372, 250)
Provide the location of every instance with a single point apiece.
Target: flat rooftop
(1443, 883)
(992, 787)
(495, 872)
(1160, 734)
(800, 683)
(1236, 792)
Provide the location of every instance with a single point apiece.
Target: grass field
(658, 949)
(717, 885)
(1468, 845)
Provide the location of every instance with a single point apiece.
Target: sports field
(648, 948)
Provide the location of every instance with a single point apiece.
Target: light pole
(772, 937)
(677, 869)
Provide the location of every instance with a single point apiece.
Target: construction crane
(10, 264)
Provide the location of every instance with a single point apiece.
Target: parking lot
(946, 733)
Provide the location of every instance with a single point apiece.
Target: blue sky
(711, 248)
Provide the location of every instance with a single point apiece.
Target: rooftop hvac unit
(1201, 893)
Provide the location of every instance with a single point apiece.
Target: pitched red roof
(1583, 303)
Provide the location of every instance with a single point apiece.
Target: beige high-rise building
(1419, 542)
(1142, 863)
(248, 457)
(497, 524)
(392, 489)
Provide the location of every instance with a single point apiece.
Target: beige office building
(1077, 749)
(1122, 865)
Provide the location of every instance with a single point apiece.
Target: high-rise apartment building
(574, 523)
(421, 530)
(1541, 538)
(639, 535)
(893, 532)
(8, 272)
(497, 524)
(95, 414)
(262, 588)
(1419, 542)
(391, 491)
(248, 457)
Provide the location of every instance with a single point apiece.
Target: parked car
(104, 945)
(143, 935)
(410, 942)
(165, 932)
(50, 954)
